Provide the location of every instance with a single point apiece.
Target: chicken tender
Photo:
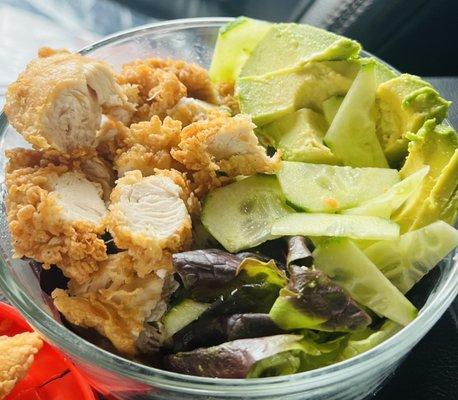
(57, 101)
(17, 354)
(94, 168)
(116, 301)
(51, 222)
(221, 148)
(158, 90)
(189, 110)
(195, 78)
(147, 146)
(148, 217)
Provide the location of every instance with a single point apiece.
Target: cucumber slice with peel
(350, 268)
(241, 214)
(351, 136)
(181, 315)
(352, 226)
(235, 43)
(328, 188)
(384, 205)
(405, 261)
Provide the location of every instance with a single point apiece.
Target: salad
(266, 217)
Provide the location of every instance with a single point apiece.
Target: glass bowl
(193, 40)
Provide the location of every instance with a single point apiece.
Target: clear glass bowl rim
(93, 355)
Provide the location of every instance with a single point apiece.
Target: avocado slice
(300, 136)
(404, 103)
(287, 45)
(236, 40)
(351, 135)
(436, 146)
(275, 94)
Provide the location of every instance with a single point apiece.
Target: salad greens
(360, 209)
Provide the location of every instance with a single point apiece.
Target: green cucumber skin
(350, 268)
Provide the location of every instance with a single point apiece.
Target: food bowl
(193, 40)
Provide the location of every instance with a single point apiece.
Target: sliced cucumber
(352, 136)
(387, 203)
(352, 226)
(182, 315)
(330, 107)
(241, 214)
(350, 268)
(405, 261)
(327, 188)
(236, 40)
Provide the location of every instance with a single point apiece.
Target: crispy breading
(115, 300)
(227, 97)
(192, 76)
(57, 101)
(51, 222)
(147, 146)
(148, 217)
(110, 137)
(189, 110)
(125, 112)
(221, 148)
(158, 90)
(95, 168)
(17, 354)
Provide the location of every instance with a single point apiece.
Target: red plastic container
(52, 376)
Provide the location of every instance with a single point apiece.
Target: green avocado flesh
(275, 94)
(328, 188)
(404, 103)
(352, 136)
(405, 261)
(287, 45)
(435, 146)
(352, 226)
(240, 215)
(300, 136)
(234, 45)
(350, 268)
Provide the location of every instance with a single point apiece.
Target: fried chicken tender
(95, 168)
(189, 110)
(193, 77)
(222, 144)
(148, 217)
(17, 354)
(51, 221)
(147, 146)
(158, 90)
(57, 101)
(115, 300)
(227, 97)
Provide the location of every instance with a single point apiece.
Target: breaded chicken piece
(222, 144)
(158, 90)
(110, 137)
(227, 97)
(189, 110)
(57, 101)
(55, 216)
(148, 217)
(17, 354)
(95, 168)
(193, 77)
(125, 112)
(115, 301)
(147, 146)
